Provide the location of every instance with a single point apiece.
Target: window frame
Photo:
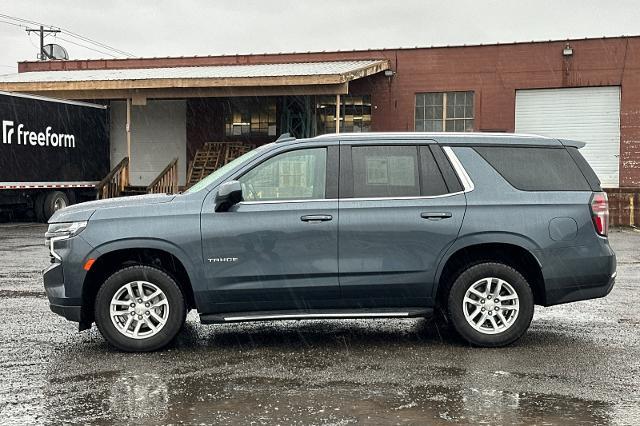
(331, 173)
(444, 110)
(450, 178)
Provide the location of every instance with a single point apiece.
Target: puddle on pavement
(149, 399)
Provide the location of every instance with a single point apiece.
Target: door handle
(316, 218)
(435, 215)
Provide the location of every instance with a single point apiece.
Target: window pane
(293, 175)
(355, 114)
(554, 168)
(449, 126)
(450, 110)
(432, 180)
(249, 116)
(385, 171)
(420, 113)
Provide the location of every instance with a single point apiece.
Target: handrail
(114, 183)
(166, 181)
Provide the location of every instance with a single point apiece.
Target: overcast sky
(198, 27)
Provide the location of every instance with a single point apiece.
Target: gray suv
(477, 228)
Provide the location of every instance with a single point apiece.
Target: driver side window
(293, 175)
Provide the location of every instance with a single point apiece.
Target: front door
(277, 249)
(397, 217)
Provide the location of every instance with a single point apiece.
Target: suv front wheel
(490, 304)
(139, 308)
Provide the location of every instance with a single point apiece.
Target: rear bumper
(574, 294)
(579, 273)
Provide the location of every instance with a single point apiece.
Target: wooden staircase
(116, 183)
(130, 190)
(212, 156)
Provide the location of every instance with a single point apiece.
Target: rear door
(401, 206)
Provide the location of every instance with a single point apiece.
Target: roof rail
(285, 137)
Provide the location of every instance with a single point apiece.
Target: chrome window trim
(314, 200)
(467, 183)
(465, 179)
(417, 197)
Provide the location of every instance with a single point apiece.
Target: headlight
(67, 229)
(62, 231)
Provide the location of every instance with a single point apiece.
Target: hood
(83, 211)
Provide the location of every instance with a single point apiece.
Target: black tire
(38, 207)
(174, 322)
(54, 200)
(474, 274)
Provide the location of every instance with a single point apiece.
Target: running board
(315, 314)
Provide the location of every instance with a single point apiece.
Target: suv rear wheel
(490, 304)
(139, 308)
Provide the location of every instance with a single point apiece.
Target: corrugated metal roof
(197, 72)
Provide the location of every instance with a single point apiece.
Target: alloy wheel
(139, 309)
(491, 305)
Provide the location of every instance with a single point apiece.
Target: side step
(316, 314)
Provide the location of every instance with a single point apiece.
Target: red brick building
(582, 89)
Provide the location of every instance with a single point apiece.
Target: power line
(87, 39)
(86, 47)
(13, 23)
(71, 34)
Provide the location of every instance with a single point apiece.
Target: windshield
(225, 169)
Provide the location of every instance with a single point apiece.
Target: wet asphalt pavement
(578, 364)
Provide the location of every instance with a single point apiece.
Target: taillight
(600, 212)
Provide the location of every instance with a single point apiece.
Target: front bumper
(68, 307)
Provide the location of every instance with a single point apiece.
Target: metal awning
(330, 77)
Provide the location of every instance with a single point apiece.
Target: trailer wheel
(54, 201)
(38, 206)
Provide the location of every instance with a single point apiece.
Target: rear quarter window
(536, 169)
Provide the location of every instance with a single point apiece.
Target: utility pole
(43, 55)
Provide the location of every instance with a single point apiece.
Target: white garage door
(589, 114)
(158, 135)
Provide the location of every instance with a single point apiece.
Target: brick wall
(624, 206)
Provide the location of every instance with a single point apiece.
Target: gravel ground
(578, 364)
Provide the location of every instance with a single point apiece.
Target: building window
(444, 112)
(355, 114)
(250, 117)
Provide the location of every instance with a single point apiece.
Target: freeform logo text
(26, 137)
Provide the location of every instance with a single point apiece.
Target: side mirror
(229, 193)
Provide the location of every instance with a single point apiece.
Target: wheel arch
(114, 256)
(512, 249)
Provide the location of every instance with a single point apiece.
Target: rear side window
(536, 169)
